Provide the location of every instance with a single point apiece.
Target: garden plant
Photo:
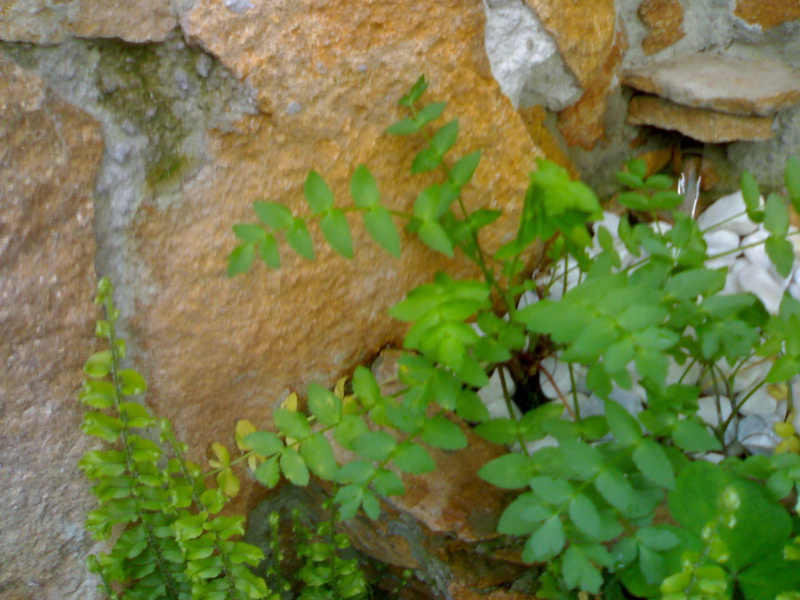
(658, 502)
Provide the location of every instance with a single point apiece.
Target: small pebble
(727, 213)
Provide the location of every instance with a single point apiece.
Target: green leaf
(781, 253)
(264, 443)
(294, 467)
(404, 127)
(470, 407)
(318, 195)
(379, 224)
(584, 459)
(371, 505)
(583, 513)
(441, 432)
(415, 93)
(357, 471)
(268, 249)
(652, 566)
(751, 194)
(637, 167)
(240, 260)
(580, 572)
(268, 473)
(413, 458)
(364, 188)
(694, 437)
(101, 425)
(546, 542)
(667, 200)
(552, 491)
(659, 182)
(616, 489)
(349, 499)
(657, 538)
(462, 171)
(695, 282)
(498, 431)
(630, 179)
(510, 471)
(652, 461)
(131, 382)
(300, 240)
(770, 576)
(388, 483)
(434, 236)
(336, 230)
(783, 369)
(318, 455)
(625, 428)
(375, 445)
(776, 215)
(523, 515)
(274, 215)
(291, 424)
(595, 338)
(324, 405)
(444, 139)
(430, 113)
(247, 232)
(349, 429)
(426, 160)
(634, 200)
(365, 386)
(762, 525)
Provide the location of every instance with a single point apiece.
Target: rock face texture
(767, 14)
(135, 134)
(698, 123)
(49, 155)
(326, 88)
(719, 82)
(587, 35)
(664, 21)
(45, 22)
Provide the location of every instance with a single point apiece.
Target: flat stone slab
(701, 124)
(722, 83)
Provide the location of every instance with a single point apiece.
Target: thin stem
(574, 392)
(511, 413)
(480, 258)
(558, 391)
(152, 540)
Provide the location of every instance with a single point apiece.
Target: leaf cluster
(175, 544)
(636, 309)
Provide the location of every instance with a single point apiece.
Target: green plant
(589, 499)
(174, 545)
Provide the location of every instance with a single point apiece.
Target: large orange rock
(767, 13)
(46, 22)
(583, 123)
(701, 124)
(584, 31)
(664, 21)
(587, 35)
(49, 155)
(327, 76)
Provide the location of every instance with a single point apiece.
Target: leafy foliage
(175, 544)
(637, 308)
